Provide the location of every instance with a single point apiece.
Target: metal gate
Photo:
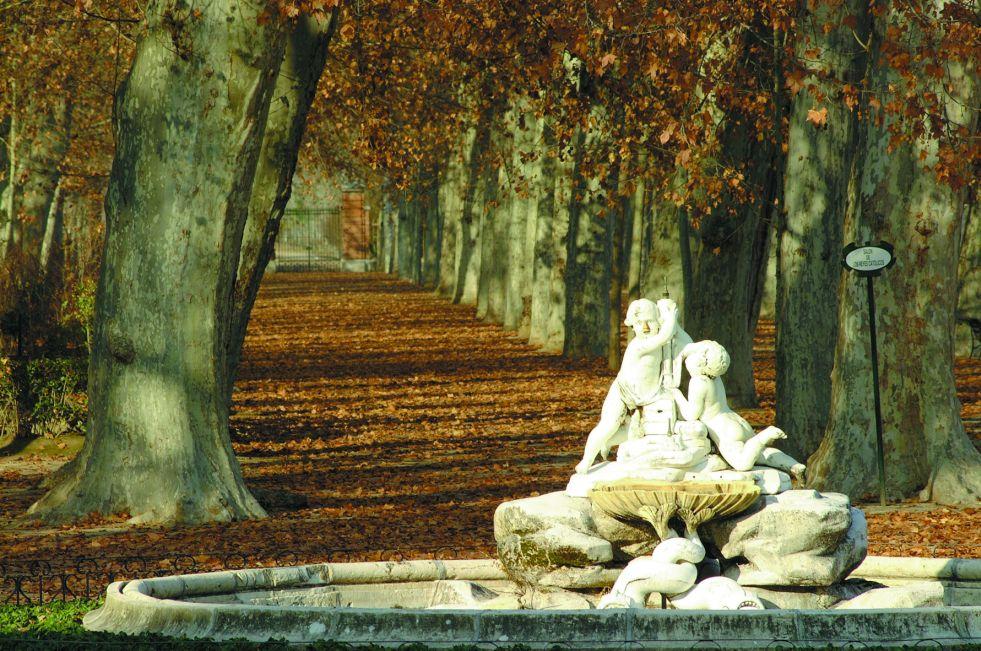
(310, 240)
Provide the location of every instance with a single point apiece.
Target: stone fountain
(694, 534)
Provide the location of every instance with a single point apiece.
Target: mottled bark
(471, 216)
(40, 143)
(451, 209)
(564, 198)
(494, 224)
(296, 84)
(587, 330)
(663, 257)
(545, 251)
(894, 198)
(729, 262)
(157, 446)
(431, 225)
(819, 163)
(723, 300)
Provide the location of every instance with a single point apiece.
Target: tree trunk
(967, 340)
(390, 234)
(617, 216)
(492, 290)
(544, 260)
(296, 85)
(663, 256)
(895, 199)
(729, 263)
(406, 233)
(587, 331)
(521, 204)
(431, 227)
(634, 239)
(471, 216)
(451, 208)
(564, 198)
(819, 162)
(35, 175)
(190, 123)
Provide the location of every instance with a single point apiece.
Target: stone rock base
(796, 538)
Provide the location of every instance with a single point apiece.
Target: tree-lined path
(375, 416)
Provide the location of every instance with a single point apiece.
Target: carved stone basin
(656, 502)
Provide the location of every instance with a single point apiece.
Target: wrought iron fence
(310, 240)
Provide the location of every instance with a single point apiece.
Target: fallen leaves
(373, 418)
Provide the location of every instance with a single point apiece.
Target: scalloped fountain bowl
(656, 502)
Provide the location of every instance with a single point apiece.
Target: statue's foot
(583, 466)
(772, 434)
(799, 474)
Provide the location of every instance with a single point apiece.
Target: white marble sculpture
(664, 435)
(671, 570)
(706, 361)
(651, 366)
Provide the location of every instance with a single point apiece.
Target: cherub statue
(651, 362)
(732, 435)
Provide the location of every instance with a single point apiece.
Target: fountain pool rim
(159, 606)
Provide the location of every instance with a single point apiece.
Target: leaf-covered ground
(376, 420)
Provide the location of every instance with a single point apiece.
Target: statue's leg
(611, 417)
(782, 461)
(737, 445)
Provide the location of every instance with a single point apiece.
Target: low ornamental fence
(37, 582)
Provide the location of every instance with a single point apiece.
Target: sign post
(869, 260)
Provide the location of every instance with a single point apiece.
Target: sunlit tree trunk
(662, 259)
(451, 209)
(545, 250)
(563, 202)
(494, 223)
(296, 85)
(189, 124)
(819, 163)
(468, 266)
(896, 199)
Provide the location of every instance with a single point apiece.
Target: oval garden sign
(868, 259)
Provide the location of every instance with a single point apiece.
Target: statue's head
(706, 358)
(641, 315)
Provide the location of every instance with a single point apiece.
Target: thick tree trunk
(663, 257)
(897, 200)
(819, 162)
(190, 123)
(494, 232)
(471, 216)
(729, 263)
(451, 208)
(431, 225)
(587, 332)
(408, 231)
(521, 202)
(543, 263)
(563, 203)
(296, 85)
(41, 147)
